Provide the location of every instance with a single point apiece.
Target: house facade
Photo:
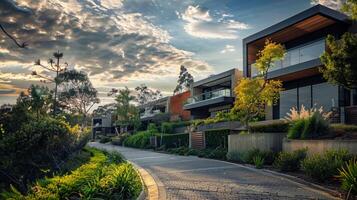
(213, 94)
(303, 36)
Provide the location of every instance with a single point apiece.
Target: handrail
(209, 95)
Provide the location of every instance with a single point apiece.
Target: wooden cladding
(292, 32)
(197, 140)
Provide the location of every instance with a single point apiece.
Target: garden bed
(103, 176)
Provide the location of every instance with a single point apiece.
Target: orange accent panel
(176, 107)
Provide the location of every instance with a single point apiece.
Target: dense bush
(286, 161)
(348, 176)
(167, 128)
(217, 153)
(235, 156)
(152, 128)
(308, 124)
(273, 126)
(296, 129)
(217, 138)
(118, 140)
(173, 140)
(268, 156)
(35, 146)
(105, 139)
(139, 140)
(325, 166)
(105, 176)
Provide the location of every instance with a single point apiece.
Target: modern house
(213, 94)
(303, 35)
(103, 124)
(168, 108)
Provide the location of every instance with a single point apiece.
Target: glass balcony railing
(297, 55)
(209, 95)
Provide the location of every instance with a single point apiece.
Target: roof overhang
(297, 26)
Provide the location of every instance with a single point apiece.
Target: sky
(122, 43)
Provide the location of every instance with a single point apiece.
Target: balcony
(298, 55)
(216, 97)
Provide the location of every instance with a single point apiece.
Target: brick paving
(197, 178)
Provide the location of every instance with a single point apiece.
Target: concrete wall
(262, 141)
(320, 146)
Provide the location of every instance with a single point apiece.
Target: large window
(305, 96)
(288, 99)
(325, 95)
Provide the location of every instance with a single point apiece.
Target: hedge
(173, 140)
(217, 138)
(139, 140)
(271, 126)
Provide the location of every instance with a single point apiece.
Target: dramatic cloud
(334, 4)
(98, 37)
(228, 48)
(199, 23)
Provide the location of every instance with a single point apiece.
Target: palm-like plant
(348, 176)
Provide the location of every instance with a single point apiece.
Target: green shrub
(290, 161)
(152, 128)
(248, 157)
(235, 156)
(311, 127)
(344, 128)
(250, 154)
(348, 176)
(325, 166)
(217, 153)
(118, 140)
(46, 142)
(217, 138)
(315, 126)
(296, 129)
(105, 139)
(273, 126)
(258, 162)
(174, 140)
(167, 128)
(102, 177)
(179, 150)
(139, 140)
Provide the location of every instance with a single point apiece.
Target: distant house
(213, 94)
(165, 109)
(304, 35)
(103, 124)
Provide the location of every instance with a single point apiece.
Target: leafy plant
(348, 176)
(105, 139)
(118, 140)
(286, 161)
(258, 162)
(152, 128)
(325, 166)
(139, 140)
(104, 176)
(167, 128)
(308, 124)
(235, 156)
(296, 129)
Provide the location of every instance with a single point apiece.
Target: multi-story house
(213, 94)
(303, 35)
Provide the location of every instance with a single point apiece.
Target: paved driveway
(189, 177)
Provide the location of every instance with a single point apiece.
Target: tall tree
(57, 68)
(128, 114)
(77, 93)
(340, 60)
(350, 8)
(146, 95)
(253, 94)
(184, 81)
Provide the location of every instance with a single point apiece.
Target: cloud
(199, 23)
(99, 37)
(334, 4)
(228, 48)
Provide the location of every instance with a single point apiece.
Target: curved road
(190, 177)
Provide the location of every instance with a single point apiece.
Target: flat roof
(315, 10)
(215, 77)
